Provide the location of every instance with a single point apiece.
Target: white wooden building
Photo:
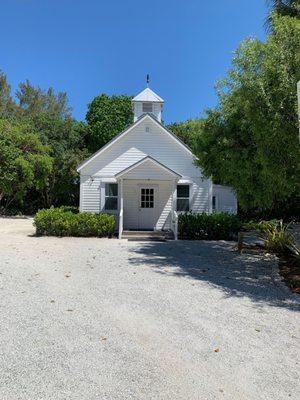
(146, 175)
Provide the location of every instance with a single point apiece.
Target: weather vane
(148, 79)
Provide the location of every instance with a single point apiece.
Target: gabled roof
(127, 130)
(142, 161)
(148, 95)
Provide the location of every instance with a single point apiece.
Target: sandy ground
(107, 319)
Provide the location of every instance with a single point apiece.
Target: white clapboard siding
(149, 170)
(138, 143)
(90, 194)
(226, 200)
(148, 138)
(138, 110)
(162, 203)
(200, 196)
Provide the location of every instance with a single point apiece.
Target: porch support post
(174, 213)
(121, 209)
(173, 197)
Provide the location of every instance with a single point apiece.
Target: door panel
(147, 212)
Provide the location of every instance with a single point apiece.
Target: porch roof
(143, 161)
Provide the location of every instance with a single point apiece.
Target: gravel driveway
(105, 319)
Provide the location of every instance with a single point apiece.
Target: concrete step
(147, 235)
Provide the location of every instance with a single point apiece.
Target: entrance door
(147, 207)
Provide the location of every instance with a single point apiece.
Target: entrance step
(160, 236)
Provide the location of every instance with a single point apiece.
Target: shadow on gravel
(218, 264)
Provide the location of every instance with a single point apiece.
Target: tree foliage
(49, 117)
(7, 105)
(251, 140)
(34, 101)
(289, 8)
(24, 162)
(187, 130)
(106, 117)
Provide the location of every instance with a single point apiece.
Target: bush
(218, 226)
(73, 209)
(251, 226)
(275, 235)
(57, 222)
(295, 252)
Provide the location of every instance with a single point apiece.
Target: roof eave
(142, 161)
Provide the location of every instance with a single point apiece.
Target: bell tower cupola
(147, 102)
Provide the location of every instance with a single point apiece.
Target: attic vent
(147, 107)
(147, 129)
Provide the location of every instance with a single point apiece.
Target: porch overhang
(126, 172)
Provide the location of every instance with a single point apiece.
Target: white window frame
(216, 203)
(184, 198)
(111, 197)
(147, 104)
(145, 195)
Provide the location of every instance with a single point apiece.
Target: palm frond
(282, 7)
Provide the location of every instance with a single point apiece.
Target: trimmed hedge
(58, 222)
(217, 226)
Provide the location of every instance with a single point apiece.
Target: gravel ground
(107, 319)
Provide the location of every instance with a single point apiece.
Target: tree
(7, 105)
(24, 162)
(251, 140)
(106, 117)
(289, 8)
(34, 100)
(50, 115)
(187, 130)
(66, 138)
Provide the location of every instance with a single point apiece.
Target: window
(147, 198)
(111, 196)
(147, 107)
(183, 198)
(214, 203)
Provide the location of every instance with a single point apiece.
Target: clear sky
(88, 47)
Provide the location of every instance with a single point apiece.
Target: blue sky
(88, 47)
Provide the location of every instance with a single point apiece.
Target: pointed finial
(148, 80)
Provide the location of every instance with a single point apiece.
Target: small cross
(148, 80)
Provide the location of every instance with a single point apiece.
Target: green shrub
(275, 235)
(57, 222)
(217, 226)
(251, 226)
(73, 209)
(295, 252)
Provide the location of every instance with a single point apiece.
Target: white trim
(216, 203)
(107, 145)
(172, 135)
(81, 194)
(210, 194)
(121, 208)
(184, 198)
(142, 161)
(145, 104)
(109, 180)
(185, 181)
(147, 95)
(122, 134)
(111, 197)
